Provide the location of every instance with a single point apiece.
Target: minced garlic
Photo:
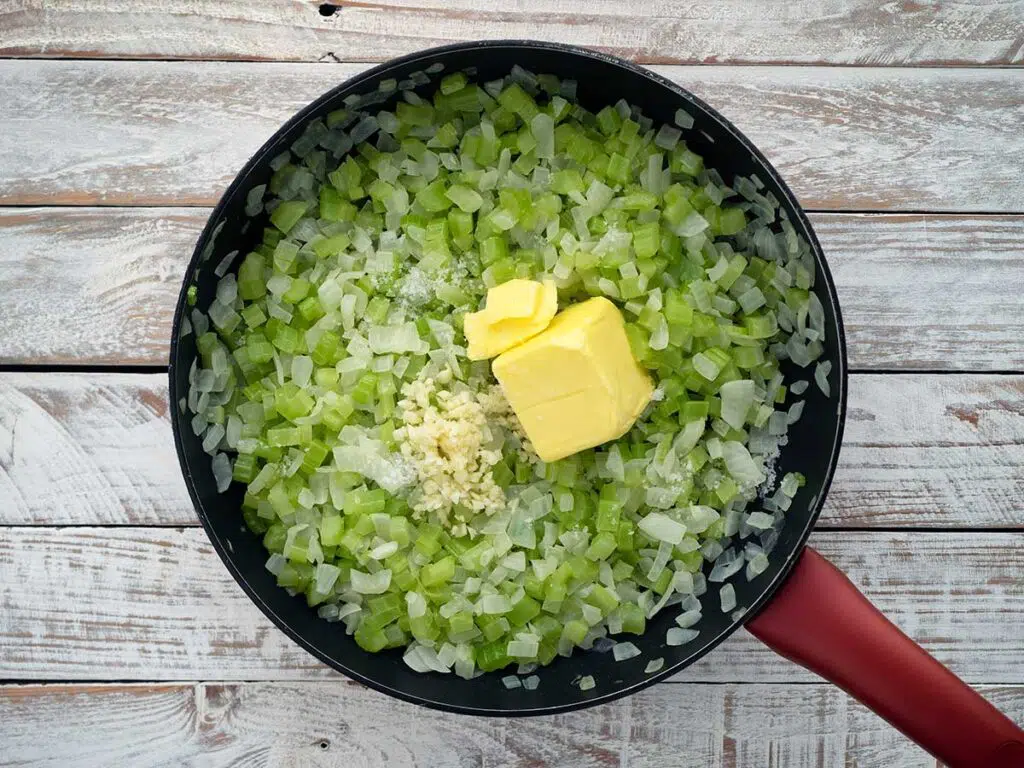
(500, 412)
(444, 436)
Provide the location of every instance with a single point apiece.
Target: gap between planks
(919, 451)
(343, 724)
(824, 65)
(110, 278)
(100, 368)
(206, 209)
(849, 32)
(157, 605)
(177, 133)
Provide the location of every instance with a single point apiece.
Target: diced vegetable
(387, 476)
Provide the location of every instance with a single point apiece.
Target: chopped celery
(287, 214)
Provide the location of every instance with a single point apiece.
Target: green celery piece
(602, 546)
(433, 197)
(332, 527)
(574, 631)
(245, 468)
(439, 572)
(492, 656)
(525, 610)
(287, 214)
(414, 114)
(603, 598)
(515, 99)
(633, 619)
(466, 198)
(252, 284)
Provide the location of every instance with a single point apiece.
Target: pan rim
(839, 391)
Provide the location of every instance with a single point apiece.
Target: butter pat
(576, 384)
(515, 311)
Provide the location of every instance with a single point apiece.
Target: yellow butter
(575, 385)
(515, 311)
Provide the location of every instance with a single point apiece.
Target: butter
(576, 384)
(515, 311)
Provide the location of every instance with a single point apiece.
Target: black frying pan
(816, 616)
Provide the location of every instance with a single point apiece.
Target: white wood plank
(84, 449)
(108, 280)
(923, 291)
(176, 133)
(917, 447)
(669, 31)
(920, 451)
(110, 277)
(344, 725)
(155, 604)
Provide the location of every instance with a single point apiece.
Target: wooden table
(123, 640)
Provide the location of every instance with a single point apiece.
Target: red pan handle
(820, 620)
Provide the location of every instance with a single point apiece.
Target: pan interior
(812, 449)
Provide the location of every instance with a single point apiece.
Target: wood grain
(921, 451)
(109, 279)
(862, 32)
(157, 133)
(343, 725)
(923, 291)
(924, 451)
(155, 604)
(85, 449)
(88, 286)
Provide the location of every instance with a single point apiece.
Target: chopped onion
(624, 651)
(684, 119)
(758, 564)
(662, 528)
(725, 566)
(737, 397)
(760, 521)
(370, 584)
(821, 371)
(727, 597)
(221, 466)
(654, 665)
(680, 636)
(688, 618)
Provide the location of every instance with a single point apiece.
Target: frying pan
(802, 606)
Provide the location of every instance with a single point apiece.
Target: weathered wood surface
(930, 292)
(922, 291)
(156, 604)
(96, 287)
(88, 449)
(92, 286)
(343, 725)
(921, 451)
(157, 133)
(859, 32)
